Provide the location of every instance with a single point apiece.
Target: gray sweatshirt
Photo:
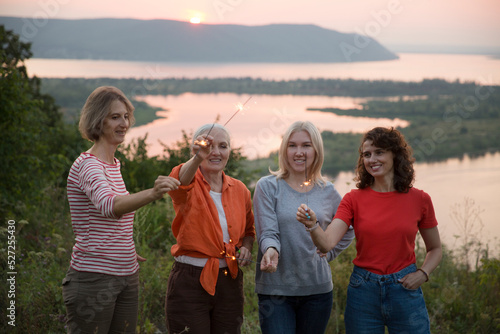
(301, 271)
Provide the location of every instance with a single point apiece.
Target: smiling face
(299, 145)
(378, 162)
(218, 157)
(116, 124)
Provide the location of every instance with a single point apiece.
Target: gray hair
(204, 129)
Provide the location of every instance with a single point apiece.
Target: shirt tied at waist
(210, 272)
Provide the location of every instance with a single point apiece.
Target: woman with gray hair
(214, 228)
(293, 280)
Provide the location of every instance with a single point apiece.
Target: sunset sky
(395, 23)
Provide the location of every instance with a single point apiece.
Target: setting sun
(195, 20)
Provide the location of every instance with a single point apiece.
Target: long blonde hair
(317, 142)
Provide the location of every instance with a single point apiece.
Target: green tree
(32, 134)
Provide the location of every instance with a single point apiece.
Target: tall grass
(460, 298)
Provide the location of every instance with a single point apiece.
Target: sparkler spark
(239, 107)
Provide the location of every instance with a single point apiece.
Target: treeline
(70, 90)
(70, 93)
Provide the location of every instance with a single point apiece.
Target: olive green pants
(100, 303)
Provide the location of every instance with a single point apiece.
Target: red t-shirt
(386, 225)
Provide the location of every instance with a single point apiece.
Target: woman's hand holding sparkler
(269, 262)
(244, 256)
(306, 216)
(203, 146)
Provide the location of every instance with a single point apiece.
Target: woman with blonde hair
(294, 281)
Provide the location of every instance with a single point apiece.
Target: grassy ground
(460, 299)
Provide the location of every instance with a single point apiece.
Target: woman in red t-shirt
(386, 212)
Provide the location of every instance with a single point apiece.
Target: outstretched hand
(164, 184)
(202, 146)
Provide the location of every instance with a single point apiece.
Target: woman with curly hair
(386, 212)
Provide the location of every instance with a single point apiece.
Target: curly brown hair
(392, 140)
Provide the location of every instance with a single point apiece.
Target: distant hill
(176, 41)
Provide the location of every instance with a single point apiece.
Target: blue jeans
(375, 301)
(295, 314)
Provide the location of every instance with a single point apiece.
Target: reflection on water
(449, 183)
(258, 128)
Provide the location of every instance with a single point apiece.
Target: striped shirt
(103, 242)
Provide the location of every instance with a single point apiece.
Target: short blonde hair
(317, 143)
(97, 107)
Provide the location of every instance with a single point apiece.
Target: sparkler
(239, 107)
(305, 184)
(232, 257)
(235, 258)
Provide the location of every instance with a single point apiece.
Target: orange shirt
(197, 228)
